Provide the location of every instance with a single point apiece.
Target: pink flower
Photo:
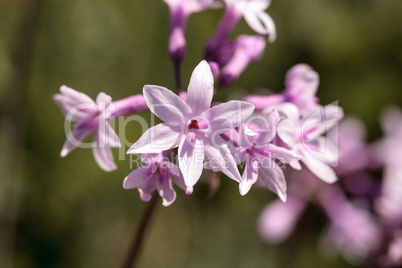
(353, 230)
(388, 151)
(253, 12)
(278, 219)
(157, 174)
(180, 10)
(246, 50)
(256, 150)
(90, 116)
(193, 126)
(305, 137)
(301, 85)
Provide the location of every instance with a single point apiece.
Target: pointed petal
(269, 26)
(287, 132)
(103, 155)
(165, 189)
(75, 97)
(295, 164)
(250, 176)
(191, 158)
(226, 116)
(136, 178)
(148, 187)
(247, 136)
(278, 219)
(273, 177)
(107, 136)
(200, 89)
(156, 139)
(74, 139)
(166, 105)
(268, 132)
(320, 121)
(281, 153)
(75, 111)
(262, 23)
(318, 168)
(221, 159)
(175, 175)
(262, 102)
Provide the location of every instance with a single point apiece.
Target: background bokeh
(68, 213)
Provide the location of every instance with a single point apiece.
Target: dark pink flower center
(193, 125)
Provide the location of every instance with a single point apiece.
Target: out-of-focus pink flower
(193, 126)
(389, 153)
(180, 10)
(278, 219)
(356, 157)
(157, 174)
(301, 85)
(253, 12)
(93, 117)
(305, 137)
(254, 148)
(247, 49)
(393, 257)
(353, 230)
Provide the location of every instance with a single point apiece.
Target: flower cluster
(287, 142)
(284, 130)
(353, 228)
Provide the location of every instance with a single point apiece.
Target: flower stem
(177, 78)
(135, 248)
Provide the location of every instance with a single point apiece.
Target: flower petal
(165, 189)
(273, 177)
(278, 219)
(321, 121)
(201, 88)
(156, 139)
(269, 25)
(75, 97)
(221, 159)
(74, 139)
(107, 135)
(103, 155)
(166, 105)
(250, 176)
(148, 187)
(75, 112)
(226, 116)
(136, 178)
(262, 23)
(319, 168)
(191, 158)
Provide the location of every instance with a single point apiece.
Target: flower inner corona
(193, 125)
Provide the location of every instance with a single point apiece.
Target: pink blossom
(247, 49)
(93, 117)
(157, 174)
(301, 86)
(253, 12)
(259, 154)
(193, 126)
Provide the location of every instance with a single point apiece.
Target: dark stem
(177, 78)
(135, 248)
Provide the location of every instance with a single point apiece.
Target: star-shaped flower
(93, 117)
(193, 126)
(157, 173)
(259, 154)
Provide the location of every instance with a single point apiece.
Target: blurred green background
(68, 213)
